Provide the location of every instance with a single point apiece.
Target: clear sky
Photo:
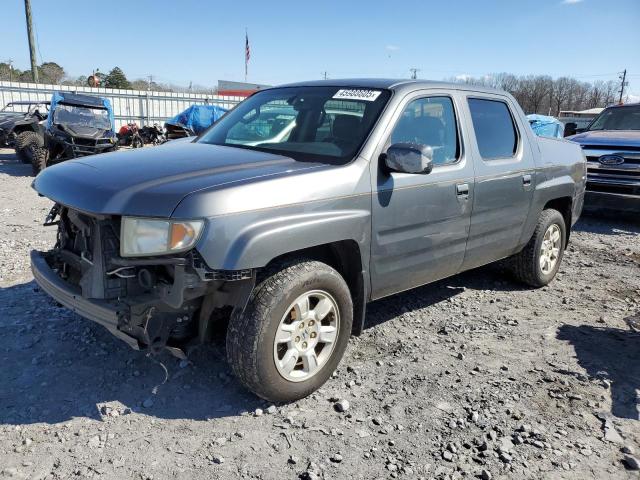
(180, 41)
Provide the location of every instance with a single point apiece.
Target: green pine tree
(116, 79)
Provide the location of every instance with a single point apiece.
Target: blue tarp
(545, 126)
(74, 99)
(198, 118)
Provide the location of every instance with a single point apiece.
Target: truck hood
(613, 138)
(151, 182)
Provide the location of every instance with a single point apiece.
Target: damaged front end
(149, 302)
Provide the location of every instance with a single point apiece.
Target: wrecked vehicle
(283, 243)
(193, 121)
(77, 125)
(611, 143)
(20, 126)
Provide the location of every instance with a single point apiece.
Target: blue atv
(77, 125)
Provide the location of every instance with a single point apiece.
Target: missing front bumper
(102, 312)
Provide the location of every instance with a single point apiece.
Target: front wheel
(39, 159)
(293, 332)
(538, 263)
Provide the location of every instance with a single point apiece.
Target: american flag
(247, 54)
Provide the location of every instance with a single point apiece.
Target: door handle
(526, 180)
(462, 189)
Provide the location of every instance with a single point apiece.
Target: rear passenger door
(504, 181)
(420, 222)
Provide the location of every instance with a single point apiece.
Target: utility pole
(150, 77)
(624, 83)
(10, 63)
(414, 73)
(324, 75)
(32, 44)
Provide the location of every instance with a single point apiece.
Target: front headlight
(144, 236)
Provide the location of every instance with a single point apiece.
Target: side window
(430, 121)
(494, 128)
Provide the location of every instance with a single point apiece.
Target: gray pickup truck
(298, 207)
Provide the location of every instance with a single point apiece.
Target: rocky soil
(474, 377)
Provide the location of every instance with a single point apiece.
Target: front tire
(293, 332)
(39, 160)
(537, 264)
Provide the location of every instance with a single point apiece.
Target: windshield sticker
(357, 94)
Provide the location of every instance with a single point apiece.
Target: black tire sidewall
(552, 217)
(272, 386)
(39, 160)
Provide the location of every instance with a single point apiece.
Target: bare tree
(561, 94)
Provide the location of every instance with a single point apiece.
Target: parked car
(193, 121)
(611, 143)
(19, 125)
(287, 240)
(77, 125)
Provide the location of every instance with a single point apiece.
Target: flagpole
(246, 61)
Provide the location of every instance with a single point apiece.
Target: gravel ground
(471, 377)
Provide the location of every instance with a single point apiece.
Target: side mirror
(409, 158)
(570, 129)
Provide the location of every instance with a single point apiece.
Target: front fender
(253, 239)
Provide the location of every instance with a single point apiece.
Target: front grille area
(90, 142)
(83, 251)
(622, 178)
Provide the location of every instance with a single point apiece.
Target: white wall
(137, 106)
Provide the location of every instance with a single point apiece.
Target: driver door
(420, 222)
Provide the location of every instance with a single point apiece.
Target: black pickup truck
(611, 144)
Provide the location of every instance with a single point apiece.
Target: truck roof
(624, 105)
(393, 84)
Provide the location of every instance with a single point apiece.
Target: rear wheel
(538, 263)
(293, 332)
(25, 144)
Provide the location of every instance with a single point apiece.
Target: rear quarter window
(494, 128)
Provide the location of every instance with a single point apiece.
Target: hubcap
(306, 336)
(550, 249)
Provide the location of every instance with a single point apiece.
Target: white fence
(142, 107)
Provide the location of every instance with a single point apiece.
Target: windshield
(80, 116)
(325, 124)
(620, 118)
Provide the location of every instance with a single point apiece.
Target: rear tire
(39, 160)
(25, 143)
(254, 342)
(539, 261)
